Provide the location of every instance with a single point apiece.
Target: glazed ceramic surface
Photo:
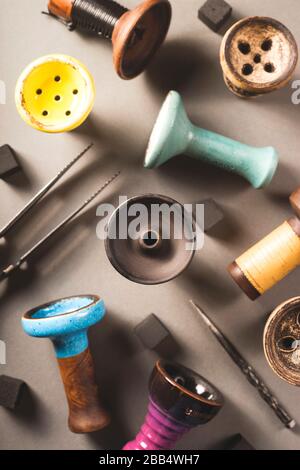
(65, 322)
(158, 432)
(180, 400)
(55, 93)
(174, 134)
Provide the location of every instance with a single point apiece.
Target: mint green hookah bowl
(174, 134)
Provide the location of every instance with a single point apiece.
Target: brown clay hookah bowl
(258, 55)
(136, 35)
(155, 255)
(282, 341)
(269, 261)
(179, 400)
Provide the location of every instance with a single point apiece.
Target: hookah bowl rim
(237, 77)
(63, 322)
(121, 37)
(162, 129)
(160, 368)
(269, 343)
(82, 111)
(110, 243)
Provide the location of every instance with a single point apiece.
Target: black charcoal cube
(8, 161)
(213, 214)
(10, 391)
(152, 332)
(215, 14)
(241, 443)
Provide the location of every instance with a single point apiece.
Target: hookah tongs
(33, 202)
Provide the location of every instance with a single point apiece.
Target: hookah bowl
(55, 93)
(136, 35)
(269, 261)
(162, 248)
(179, 400)
(258, 55)
(66, 322)
(173, 134)
(282, 341)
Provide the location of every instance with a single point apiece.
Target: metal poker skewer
(41, 193)
(247, 370)
(12, 267)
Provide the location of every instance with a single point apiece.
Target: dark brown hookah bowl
(136, 35)
(153, 257)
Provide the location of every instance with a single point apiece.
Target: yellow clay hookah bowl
(55, 93)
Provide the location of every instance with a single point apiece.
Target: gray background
(76, 263)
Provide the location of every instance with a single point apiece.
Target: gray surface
(76, 263)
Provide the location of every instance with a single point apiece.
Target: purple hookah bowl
(179, 400)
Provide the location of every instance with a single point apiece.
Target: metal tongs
(33, 202)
